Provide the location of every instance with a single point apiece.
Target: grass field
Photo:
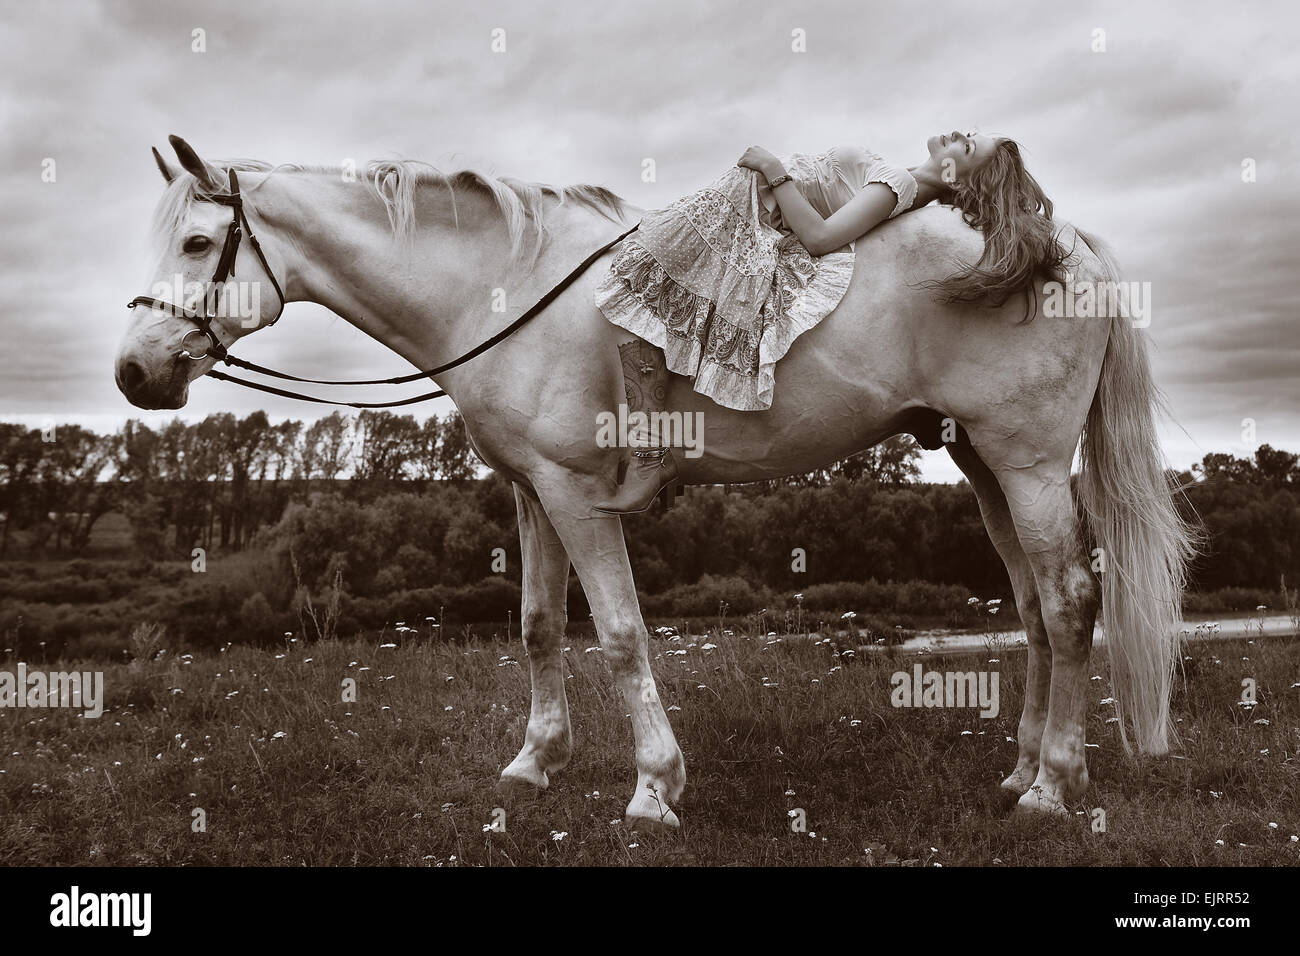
(285, 773)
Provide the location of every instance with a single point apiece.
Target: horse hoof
(1039, 800)
(521, 788)
(667, 823)
(1020, 780)
(650, 814)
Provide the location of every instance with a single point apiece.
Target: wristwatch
(783, 178)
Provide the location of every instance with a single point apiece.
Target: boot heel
(669, 493)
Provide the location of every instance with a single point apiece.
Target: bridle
(226, 266)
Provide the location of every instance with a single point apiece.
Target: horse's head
(204, 296)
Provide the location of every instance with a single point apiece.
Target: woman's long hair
(1004, 202)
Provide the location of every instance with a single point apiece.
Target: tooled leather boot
(652, 467)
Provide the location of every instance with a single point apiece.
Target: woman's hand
(759, 159)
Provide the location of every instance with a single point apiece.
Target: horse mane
(396, 182)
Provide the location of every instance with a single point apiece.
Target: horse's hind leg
(1042, 507)
(548, 740)
(1038, 673)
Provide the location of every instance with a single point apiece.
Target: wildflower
(558, 836)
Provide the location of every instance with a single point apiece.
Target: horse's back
(892, 348)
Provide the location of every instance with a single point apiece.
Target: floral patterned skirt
(721, 290)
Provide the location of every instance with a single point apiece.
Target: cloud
(1142, 143)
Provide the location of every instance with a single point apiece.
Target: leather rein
(226, 266)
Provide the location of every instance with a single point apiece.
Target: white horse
(417, 260)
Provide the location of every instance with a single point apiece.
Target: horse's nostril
(131, 376)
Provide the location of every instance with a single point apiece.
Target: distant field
(286, 774)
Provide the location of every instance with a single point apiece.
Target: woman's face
(962, 153)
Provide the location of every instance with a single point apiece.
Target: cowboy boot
(652, 466)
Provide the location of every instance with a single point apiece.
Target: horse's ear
(163, 168)
(205, 173)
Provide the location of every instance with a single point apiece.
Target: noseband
(225, 268)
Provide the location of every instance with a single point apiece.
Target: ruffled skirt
(721, 290)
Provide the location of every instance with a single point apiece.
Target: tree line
(339, 490)
(209, 484)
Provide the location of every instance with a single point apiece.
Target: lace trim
(730, 363)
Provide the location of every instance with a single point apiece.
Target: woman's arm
(857, 217)
(854, 219)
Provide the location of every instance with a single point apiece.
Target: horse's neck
(450, 288)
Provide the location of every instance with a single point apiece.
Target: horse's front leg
(598, 552)
(548, 741)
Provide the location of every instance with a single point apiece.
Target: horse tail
(1128, 507)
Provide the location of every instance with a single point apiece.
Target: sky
(1136, 118)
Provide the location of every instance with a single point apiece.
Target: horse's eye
(197, 244)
